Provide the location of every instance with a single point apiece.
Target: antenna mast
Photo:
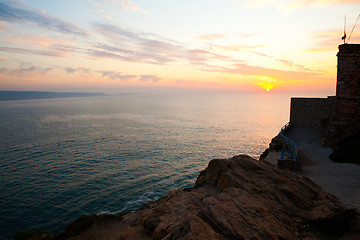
(344, 37)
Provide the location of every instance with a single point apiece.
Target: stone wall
(311, 112)
(345, 120)
(348, 71)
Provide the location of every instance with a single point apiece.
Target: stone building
(338, 117)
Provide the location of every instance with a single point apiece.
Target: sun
(266, 83)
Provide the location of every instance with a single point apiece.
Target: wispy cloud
(112, 75)
(29, 70)
(254, 50)
(38, 44)
(151, 48)
(324, 41)
(290, 5)
(281, 75)
(131, 6)
(79, 69)
(31, 51)
(212, 36)
(238, 47)
(146, 78)
(294, 4)
(145, 47)
(200, 57)
(286, 62)
(11, 12)
(41, 40)
(25, 71)
(3, 26)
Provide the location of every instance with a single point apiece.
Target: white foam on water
(135, 204)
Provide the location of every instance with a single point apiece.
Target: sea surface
(64, 158)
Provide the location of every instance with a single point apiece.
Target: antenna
(353, 28)
(344, 37)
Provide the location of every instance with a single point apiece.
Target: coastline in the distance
(27, 95)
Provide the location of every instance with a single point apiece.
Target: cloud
(290, 5)
(281, 75)
(283, 61)
(294, 4)
(109, 8)
(201, 57)
(3, 26)
(212, 36)
(11, 12)
(145, 47)
(250, 49)
(150, 48)
(31, 51)
(70, 70)
(112, 75)
(130, 6)
(28, 70)
(39, 40)
(38, 44)
(106, 54)
(146, 78)
(237, 47)
(324, 41)
(25, 71)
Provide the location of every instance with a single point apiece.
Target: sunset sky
(111, 45)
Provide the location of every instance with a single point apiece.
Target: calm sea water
(64, 158)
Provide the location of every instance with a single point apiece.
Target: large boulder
(237, 198)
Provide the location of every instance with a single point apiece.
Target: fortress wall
(344, 122)
(348, 112)
(311, 112)
(348, 71)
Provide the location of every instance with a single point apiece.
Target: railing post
(291, 145)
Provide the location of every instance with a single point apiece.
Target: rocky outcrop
(237, 198)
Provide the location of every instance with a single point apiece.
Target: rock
(237, 198)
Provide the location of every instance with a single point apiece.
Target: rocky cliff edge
(237, 198)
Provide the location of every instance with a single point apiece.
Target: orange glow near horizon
(267, 83)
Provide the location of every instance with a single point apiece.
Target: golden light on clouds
(267, 83)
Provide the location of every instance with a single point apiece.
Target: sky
(114, 45)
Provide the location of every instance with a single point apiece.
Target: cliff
(237, 198)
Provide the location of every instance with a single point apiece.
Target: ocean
(64, 158)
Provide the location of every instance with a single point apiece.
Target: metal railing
(289, 147)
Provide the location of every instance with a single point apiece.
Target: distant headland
(27, 95)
